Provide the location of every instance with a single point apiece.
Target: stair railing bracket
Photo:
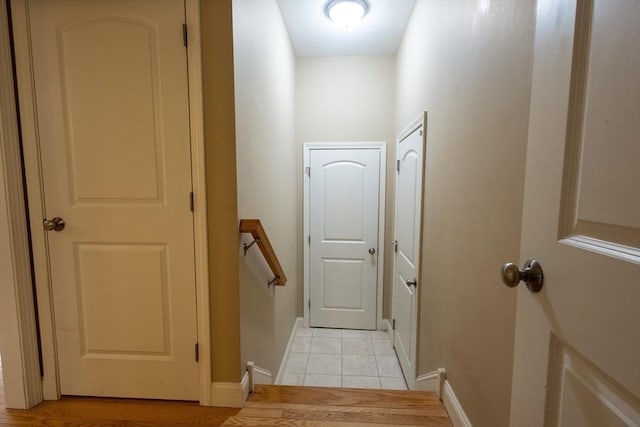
(272, 281)
(248, 246)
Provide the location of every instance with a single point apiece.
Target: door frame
(35, 198)
(18, 331)
(306, 210)
(420, 121)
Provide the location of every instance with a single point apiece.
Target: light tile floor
(343, 358)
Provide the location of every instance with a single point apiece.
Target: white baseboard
(433, 381)
(258, 375)
(230, 395)
(454, 408)
(245, 388)
(386, 326)
(299, 323)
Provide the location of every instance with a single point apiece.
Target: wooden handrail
(254, 227)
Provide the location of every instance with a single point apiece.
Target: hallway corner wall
(264, 94)
(220, 155)
(468, 63)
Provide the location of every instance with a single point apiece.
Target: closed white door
(344, 196)
(112, 106)
(577, 355)
(408, 218)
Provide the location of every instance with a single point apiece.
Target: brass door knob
(55, 224)
(531, 275)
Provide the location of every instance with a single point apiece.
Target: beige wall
(471, 72)
(264, 95)
(347, 99)
(220, 142)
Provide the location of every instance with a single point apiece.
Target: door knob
(531, 275)
(372, 251)
(55, 224)
(413, 283)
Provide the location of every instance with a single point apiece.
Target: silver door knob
(372, 251)
(531, 275)
(413, 283)
(55, 224)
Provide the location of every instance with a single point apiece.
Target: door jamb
(35, 196)
(308, 146)
(420, 121)
(18, 332)
(198, 177)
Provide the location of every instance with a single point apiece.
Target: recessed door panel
(403, 297)
(407, 188)
(342, 285)
(344, 201)
(106, 276)
(127, 91)
(581, 394)
(601, 175)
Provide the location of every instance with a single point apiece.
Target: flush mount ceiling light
(346, 13)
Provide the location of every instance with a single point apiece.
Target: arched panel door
(113, 125)
(408, 232)
(344, 195)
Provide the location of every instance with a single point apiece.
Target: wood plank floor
(268, 406)
(339, 407)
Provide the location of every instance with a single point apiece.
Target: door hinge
(191, 202)
(197, 352)
(420, 132)
(393, 324)
(395, 246)
(309, 239)
(309, 304)
(185, 35)
(398, 166)
(307, 170)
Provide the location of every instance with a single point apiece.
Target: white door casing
(576, 360)
(113, 114)
(344, 197)
(20, 368)
(407, 244)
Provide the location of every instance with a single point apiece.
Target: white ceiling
(313, 34)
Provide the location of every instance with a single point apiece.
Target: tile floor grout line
(369, 353)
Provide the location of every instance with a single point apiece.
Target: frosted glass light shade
(346, 13)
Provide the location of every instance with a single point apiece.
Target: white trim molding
(35, 192)
(258, 375)
(230, 395)
(299, 323)
(433, 381)
(307, 147)
(454, 408)
(31, 152)
(198, 178)
(18, 334)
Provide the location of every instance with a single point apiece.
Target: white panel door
(407, 248)
(577, 355)
(344, 192)
(112, 105)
